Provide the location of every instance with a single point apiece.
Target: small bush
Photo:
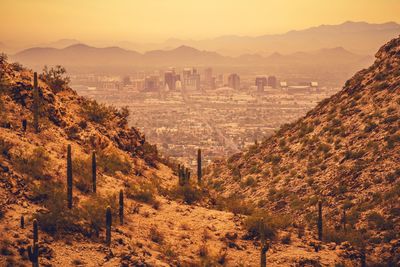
(156, 236)
(356, 238)
(188, 193)
(96, 112)
(34, 164)
(4, 147)
(82, 170)
(55, 77)
(111, 161)
(235, 204)
(144, 192)
(271, 224)
(150, 154)
(250, 181)
(94, 211)
(5, 247)
(286, 239)
(57, 216)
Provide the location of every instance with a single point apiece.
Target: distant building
(138, 84)
(283, 85)
(261, 81)
(152, 83)
(272, 82)
(190, 79)
(209, 80)
(234, 81)
(220, 80)
(170, 79)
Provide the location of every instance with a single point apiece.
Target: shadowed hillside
(345, 152)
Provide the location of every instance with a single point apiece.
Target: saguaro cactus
(121, 207)
(319, 224)
(35, 231)
(264, 245)
(108, 226)
(187, 176)
(36, 104)
(363, 258)
(24, 124)
(33, 254)
(22, 222)
(344, 220)
(94, 171)
(69, 177)
(199, 174)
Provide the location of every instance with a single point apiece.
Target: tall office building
(261, 81)
(208, 79)
(234, 81)
(272, 82)
(170, 79)
(152, 83)
(190, 79)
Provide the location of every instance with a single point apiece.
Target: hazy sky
(155, 20)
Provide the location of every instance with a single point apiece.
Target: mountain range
(357, 37)
(81, 56)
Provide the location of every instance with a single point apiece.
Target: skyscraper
(234, 81)
(208, 78)
(261, 81)
(190, 79)
(170, 79)
(272, 82)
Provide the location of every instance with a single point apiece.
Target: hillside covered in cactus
(345, 152)
(79, 187)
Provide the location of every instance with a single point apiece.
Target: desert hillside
(344, 153)
(53, 211)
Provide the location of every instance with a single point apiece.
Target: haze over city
(200, 133)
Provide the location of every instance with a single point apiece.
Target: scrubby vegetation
(33, 164)
(95, 112)
(111, 161)
(55, 77)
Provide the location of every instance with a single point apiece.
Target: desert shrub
(150, 154)
(55, 77)
(5, 147)
(95, 112)
(391, 140)
(236, 174)
(271, 224)
(144, 192)
(34, 164)
(57, 216)
(156, 236)
(250, 181)
(354, 154)
(6, 247)
(296, 203)
(169, 252)
(93, 211)
(188, 193)
(377, 221)
(111, 162)
(286, 239)
(355, 237)
(82, 170)
(208, 259)
(370, 127)
(234, 204)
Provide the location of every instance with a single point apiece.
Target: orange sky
(155, 20)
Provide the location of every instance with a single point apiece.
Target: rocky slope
(345, 152)
(159, 228)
